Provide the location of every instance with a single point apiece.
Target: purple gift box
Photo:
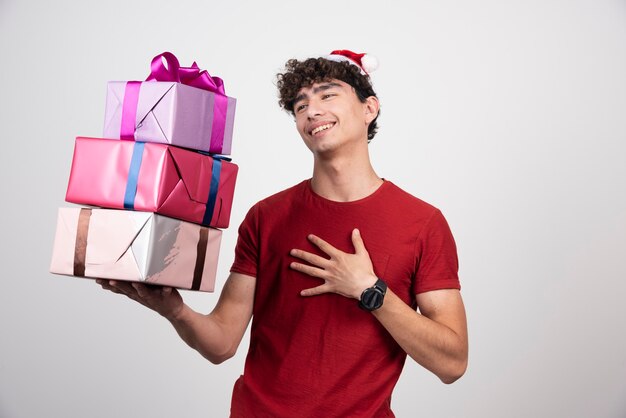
(180, 106)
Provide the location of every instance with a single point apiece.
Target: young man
(331, 271)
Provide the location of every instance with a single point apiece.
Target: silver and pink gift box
(135, 246)
(170, 113)
(152, 177)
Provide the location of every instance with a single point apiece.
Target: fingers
(164, 300)
(310, 270)
(134, 290)
(123, 287)
(142, 290)
(322, 245)
(105, 285)
(357, 241)
(112, 285)
(310, 258)
(147, 291)
(314, 291)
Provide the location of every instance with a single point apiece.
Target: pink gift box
(172, 113)
(152, 177)
(135, 246)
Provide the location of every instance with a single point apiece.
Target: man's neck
(345, 178)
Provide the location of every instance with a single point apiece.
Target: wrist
(371, 281)
(177, 314)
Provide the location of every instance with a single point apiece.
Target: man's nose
(314, 109)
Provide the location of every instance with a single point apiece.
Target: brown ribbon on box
(80, 249)
(201, 251)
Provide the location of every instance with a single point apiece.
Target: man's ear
(371, 109)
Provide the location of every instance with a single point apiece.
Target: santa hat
(366, 62)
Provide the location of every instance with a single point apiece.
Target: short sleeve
(247, 248)
(436, 257)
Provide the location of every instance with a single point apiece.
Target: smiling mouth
(322, 128)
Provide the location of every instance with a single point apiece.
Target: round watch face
(372, 299)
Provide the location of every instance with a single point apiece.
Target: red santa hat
(366, 62)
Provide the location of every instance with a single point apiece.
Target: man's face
(329, 115)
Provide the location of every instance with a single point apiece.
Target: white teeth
(321, 128)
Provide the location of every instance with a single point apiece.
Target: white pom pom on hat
(366, 62)
(369, 63)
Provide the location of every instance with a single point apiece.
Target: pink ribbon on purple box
(191, 76)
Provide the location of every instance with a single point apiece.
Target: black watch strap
(381, 285)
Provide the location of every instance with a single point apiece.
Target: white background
(508, 116)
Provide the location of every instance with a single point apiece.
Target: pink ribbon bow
(191, 76)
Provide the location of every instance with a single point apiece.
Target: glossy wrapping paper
(172, 113)
(135, 246)
(152, 177)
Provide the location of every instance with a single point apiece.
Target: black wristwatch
(372, 297)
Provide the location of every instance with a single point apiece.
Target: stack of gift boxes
(157, 184)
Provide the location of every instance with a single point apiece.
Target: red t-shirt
(322, 356)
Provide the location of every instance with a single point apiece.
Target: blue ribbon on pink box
(133, 178)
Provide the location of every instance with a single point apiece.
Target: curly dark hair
(299, 74)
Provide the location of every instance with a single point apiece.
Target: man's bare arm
(436, 338)
(215, 336)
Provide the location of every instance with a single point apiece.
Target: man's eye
(326, 96)
(300, 107)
